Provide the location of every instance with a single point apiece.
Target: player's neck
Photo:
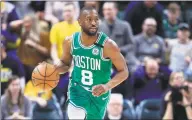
(88, 40)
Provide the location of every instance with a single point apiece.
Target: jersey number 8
(87, 77)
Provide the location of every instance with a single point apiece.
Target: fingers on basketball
(45, 77)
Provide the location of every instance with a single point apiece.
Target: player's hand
(98, 90)
(60, 67)
(56, 61)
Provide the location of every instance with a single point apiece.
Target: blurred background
(153, 36)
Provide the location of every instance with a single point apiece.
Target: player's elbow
(126, 74)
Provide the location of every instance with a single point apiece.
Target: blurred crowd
(154, 37)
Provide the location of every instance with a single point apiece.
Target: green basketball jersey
(90, 67)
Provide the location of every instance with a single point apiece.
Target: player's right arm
(65, 62)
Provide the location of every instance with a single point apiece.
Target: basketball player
(93, 54)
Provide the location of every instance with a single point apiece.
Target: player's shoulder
(69, 38)
(111, 45)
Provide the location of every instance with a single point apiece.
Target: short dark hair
(89, 8)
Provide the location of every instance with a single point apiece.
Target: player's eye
(89, 19)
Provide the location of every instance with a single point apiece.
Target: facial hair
(86, 30)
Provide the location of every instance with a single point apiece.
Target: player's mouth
(93, 28)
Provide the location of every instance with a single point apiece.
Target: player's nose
(94, 23)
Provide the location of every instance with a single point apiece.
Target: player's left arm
(112, 52)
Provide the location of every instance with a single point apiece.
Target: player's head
(110, 10)
(69, 11)
(89, 21)
(149, 26)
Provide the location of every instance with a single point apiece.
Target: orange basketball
(45, 77)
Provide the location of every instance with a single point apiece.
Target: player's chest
(87, 61)
(94, 52)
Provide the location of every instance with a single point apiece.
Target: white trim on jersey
(89, 47)
(72, 44)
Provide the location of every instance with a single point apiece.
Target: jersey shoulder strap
(102, 39)
(75, 40)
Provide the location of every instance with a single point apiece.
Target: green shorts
(95, 107)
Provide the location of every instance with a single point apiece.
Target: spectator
(14, 105)
(148, 44)
(142, 10)
(54, 11)
(8, 14)
(116, 29)
(171, 22)
(179, 47)
(115, 108)
(34, 44)
(149, 81)
(63, 29)
(131, 59)
(45, 105)
(44, 25)
(177, 102)
(9, 68)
